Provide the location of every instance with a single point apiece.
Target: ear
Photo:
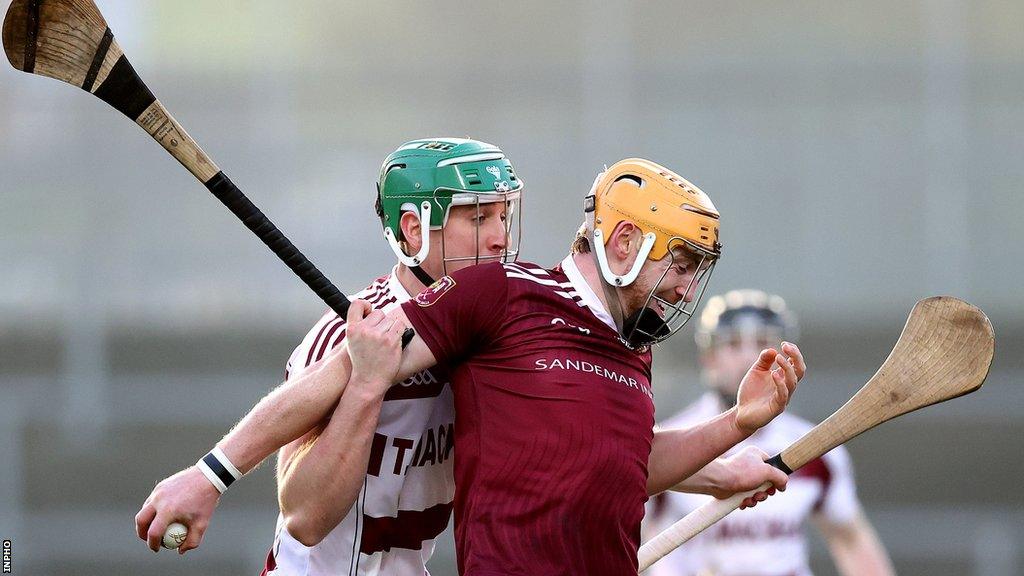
(625, 239)
(410, 226)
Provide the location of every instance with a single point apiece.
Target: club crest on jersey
(434, 292)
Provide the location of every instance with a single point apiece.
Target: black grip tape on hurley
(254, 219)
(777, 462)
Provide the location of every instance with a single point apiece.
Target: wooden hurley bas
(945, 351)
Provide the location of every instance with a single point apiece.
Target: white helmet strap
(634, 271)
(419, 257)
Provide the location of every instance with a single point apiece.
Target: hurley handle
(254, 219)
(699, 520)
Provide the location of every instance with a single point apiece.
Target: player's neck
(587, 267)
(409, 281)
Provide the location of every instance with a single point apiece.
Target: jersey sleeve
(462, 312)
(839, 503)
(327, 333)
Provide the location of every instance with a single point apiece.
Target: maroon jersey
(554, 421)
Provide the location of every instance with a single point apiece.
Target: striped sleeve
(329, 331)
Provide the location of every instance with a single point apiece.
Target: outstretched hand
(765, 391)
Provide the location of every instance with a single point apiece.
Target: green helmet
(430, 176)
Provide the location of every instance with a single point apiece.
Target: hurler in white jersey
(769, 540)
(406, 498)
(464, 193)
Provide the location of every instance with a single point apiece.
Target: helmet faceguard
(674, 217)
(513, 226)
(428, 177)
(648, 326)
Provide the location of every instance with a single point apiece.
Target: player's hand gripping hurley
(944, 351)
(69, 40)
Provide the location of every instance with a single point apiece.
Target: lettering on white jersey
(434, 447)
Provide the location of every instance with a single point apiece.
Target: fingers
(765, 359)
(144, 518)
(789, 370)
(781, 386)
(796, 358)
(397, 328)
(361, 311)
(155, 535)
(194, 537)
(761, 496)
(778, 478)
(362, 316)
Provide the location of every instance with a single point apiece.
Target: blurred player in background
(769, 540)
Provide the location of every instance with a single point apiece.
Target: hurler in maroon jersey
(554, 420)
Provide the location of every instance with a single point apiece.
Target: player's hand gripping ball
(175, 535)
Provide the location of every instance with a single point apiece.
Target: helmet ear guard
(421, 255)
(606, 271)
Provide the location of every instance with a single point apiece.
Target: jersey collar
(396, 288)
(586, 293)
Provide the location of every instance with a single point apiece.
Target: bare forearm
(711, 479)
(857, 550)
(287, 413)
(321, 482)
(678, 454)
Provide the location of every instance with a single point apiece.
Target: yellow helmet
(658, 201)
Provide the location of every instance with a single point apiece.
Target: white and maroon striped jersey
(769, 539)
(406, 499)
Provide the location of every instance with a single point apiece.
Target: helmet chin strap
(644, 326)
(422, 275)
(413, 262)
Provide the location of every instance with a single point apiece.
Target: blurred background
(863, 155)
